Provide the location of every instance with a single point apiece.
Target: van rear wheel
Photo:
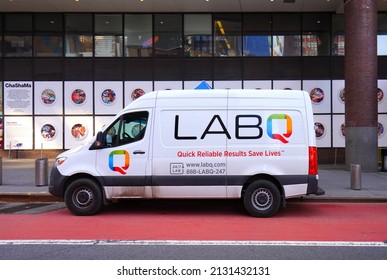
(83, 197)
(262, 198)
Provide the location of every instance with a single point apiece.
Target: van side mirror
(98, 142)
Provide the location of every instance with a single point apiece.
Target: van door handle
(137, 152)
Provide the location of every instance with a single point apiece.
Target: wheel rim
(83, 198)
(262, 199)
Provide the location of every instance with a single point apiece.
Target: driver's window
(128, 128)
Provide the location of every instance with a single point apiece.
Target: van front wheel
(262, 198)
(83, 197)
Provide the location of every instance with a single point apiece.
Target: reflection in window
(257, 34)
(255, 45)
(108, 46)
(48, 46)
(78, 38)
(316, 34)
(108, 39)
(79, 45)
(138, 35)
(197, 35)
(287, 45)
(315, 44)
(338, 47)
(127, 129)
(227, 34)
(338, 37)
(18, 46)
(168, 35)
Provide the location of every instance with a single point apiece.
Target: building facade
(64, 75)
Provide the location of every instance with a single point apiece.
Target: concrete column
(361, 111)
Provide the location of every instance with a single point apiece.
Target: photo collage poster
(63, 115)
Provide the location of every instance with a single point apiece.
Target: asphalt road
(193, 230)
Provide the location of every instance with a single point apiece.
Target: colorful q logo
(119, 156)
(279, 126)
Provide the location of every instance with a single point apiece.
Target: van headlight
(60, 161)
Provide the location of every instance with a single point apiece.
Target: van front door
(122, 161)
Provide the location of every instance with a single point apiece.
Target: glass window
(257, 35)
(382, 34)
(79, 23)
(138, 35)
(197, 35)
(316, 34)
(17, 35)
(48, 23)
(338, 38)
(286, 35)
(48, 46)
(108, 40)
(79, 45)
(1, 37)
(17, 46)
(79, 38)
(48, 41)
(128, 128)
(227, 34)
(168, 35)
(18, 23)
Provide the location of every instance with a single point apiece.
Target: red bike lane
(224, 221)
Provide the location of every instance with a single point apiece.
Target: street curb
(45, 197)
(28, 197)
(340, 199)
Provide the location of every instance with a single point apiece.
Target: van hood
(71, 151)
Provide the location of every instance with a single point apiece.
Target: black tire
(83, 197)
(262, 198)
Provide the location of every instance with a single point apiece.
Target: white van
(257, 145)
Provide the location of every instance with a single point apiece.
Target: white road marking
(195, 243)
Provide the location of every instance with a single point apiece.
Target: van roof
(149, 99)
(221, 93)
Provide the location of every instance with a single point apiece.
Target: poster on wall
(257, 84)
(78, 130)
(135, 89)
(108, 97)
(227, 84)
(17, 98)
(338, 96)
(382, 126)
(101, 121)
(1, 116)
(381, 96)
(294, 85)
(338, 131)
(320, 95)
(18, 133)
(48, 133)
(78, 98)
(48, 98)
(323, 130)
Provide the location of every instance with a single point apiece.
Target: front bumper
(57, 182)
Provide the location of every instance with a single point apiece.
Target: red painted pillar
(361, 116)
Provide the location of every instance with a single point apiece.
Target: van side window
(128, 128)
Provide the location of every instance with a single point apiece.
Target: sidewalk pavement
(18, 184)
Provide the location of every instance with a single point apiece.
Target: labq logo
(119, 156)
(279, 126)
